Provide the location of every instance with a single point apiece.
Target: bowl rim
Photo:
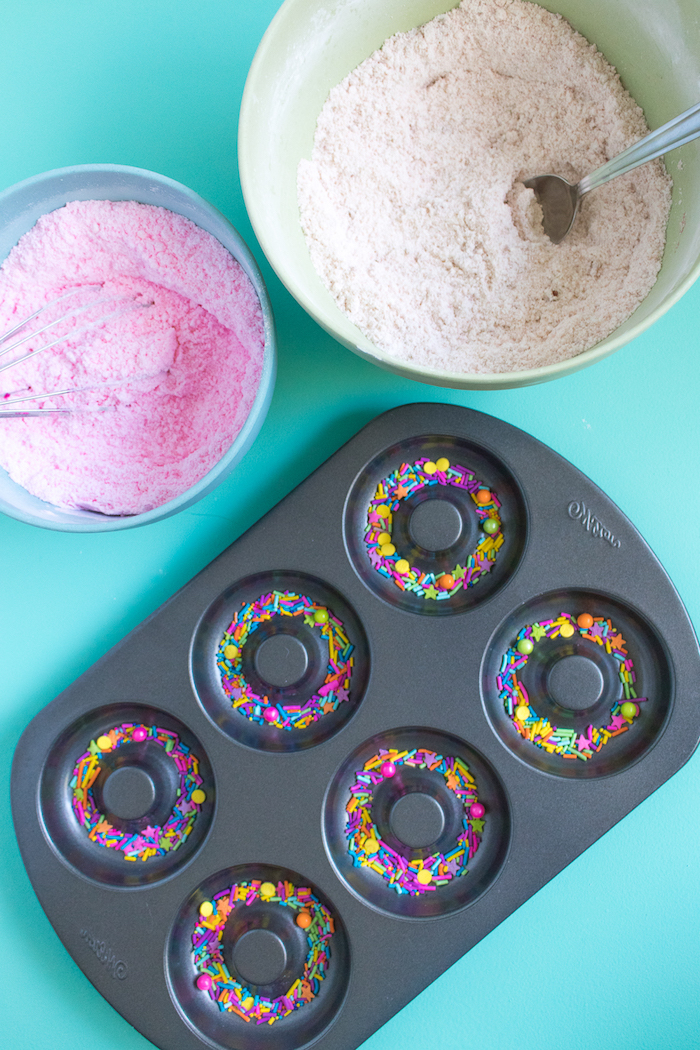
(86, 521)
(436, 377)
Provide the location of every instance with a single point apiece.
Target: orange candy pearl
(303, 920)
(446, 582)
(585, 621)
(483, 496)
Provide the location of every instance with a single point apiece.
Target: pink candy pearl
(388, 769)
(140, 734)
(204, 982)
(476, 810)
(270, 714)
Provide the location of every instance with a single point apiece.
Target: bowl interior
(310, 47)
(20, 207)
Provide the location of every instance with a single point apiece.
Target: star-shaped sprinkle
(477, 826)
(537, 631)
(374, 557)
(431, 592)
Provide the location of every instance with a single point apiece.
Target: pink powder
(165, 386)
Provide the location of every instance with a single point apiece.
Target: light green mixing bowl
(311, 45)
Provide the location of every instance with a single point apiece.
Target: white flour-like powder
(413, 211)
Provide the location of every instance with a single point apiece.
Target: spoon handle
(676, 132)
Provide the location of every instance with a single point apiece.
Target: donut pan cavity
(355, 742)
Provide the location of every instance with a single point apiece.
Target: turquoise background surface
(605, 956)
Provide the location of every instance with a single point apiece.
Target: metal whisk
(125, 304)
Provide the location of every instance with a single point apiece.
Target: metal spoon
(559, 200)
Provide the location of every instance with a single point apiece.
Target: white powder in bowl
(414, 214)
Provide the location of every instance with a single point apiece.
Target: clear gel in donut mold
(257, 957)
(280, 661)
(435, 525)
(127, 795)
(416, 823)
(577, 684)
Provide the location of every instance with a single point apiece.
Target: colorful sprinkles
(568, 743)
(153, 841)
(214, 976)
(408, 479)
(368, 849)
(335, 689)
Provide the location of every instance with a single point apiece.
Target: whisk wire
(66, 335)
(45, 306)
(40, 397)
(5, 411)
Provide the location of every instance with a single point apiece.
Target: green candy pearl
(490, 526)
(525, 646)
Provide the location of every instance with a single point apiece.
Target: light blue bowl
(20, 207)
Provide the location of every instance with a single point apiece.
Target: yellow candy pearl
(442, 464)
(231, 652)
(424, 877)
(370, 845)
(104, 743)
(402, 566)
(206, 909)
(522, 713)
(267, 889)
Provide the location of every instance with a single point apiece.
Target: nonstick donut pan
(382, 719)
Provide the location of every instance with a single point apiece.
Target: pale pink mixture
(164, 386)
